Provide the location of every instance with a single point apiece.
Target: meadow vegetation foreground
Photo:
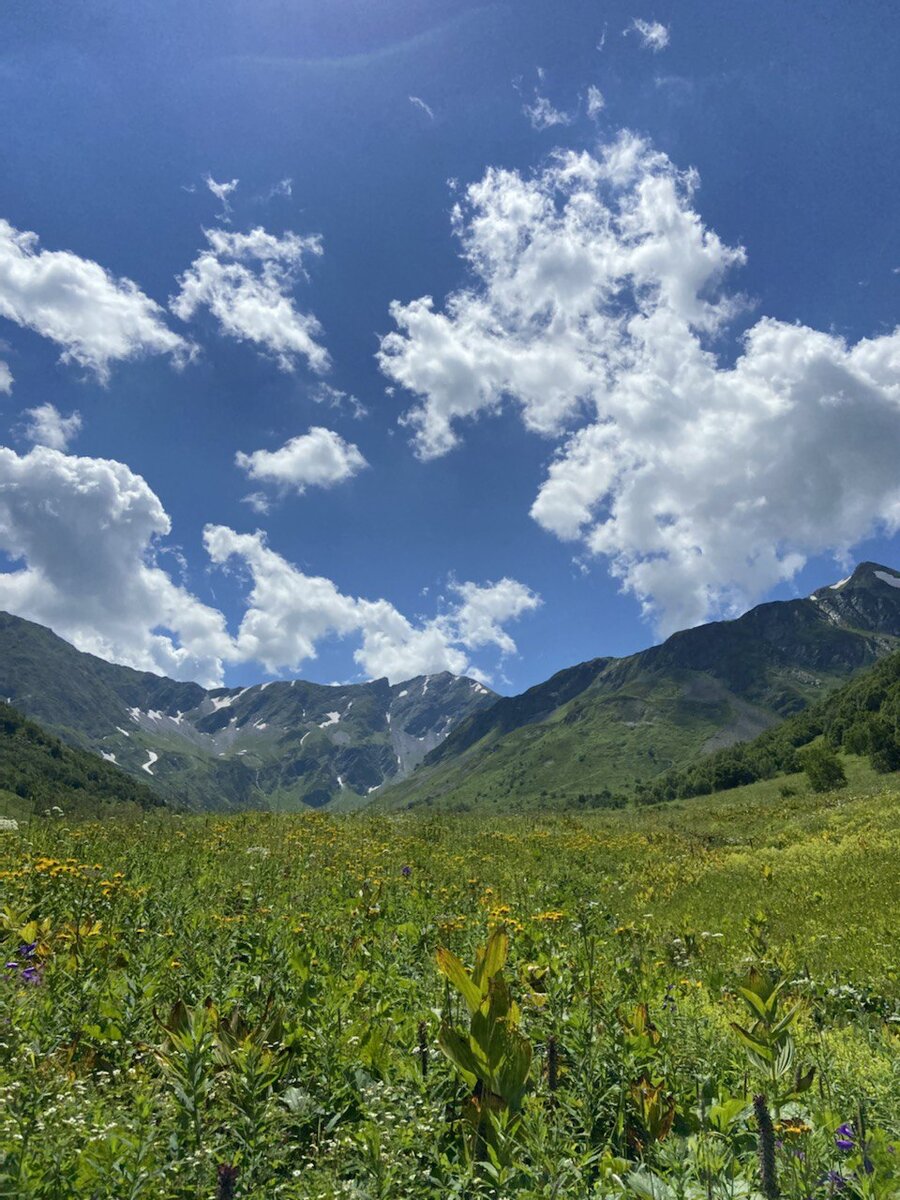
(695, 1000)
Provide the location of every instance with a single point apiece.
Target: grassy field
(252, 1006)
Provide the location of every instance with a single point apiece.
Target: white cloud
(84, 532)
(96, 318)
(419, 103)
(595, 299)
(84, 535)
(246, 281)
(653, 34)
(319, 458)
(6, 379)
(483, 612)
(543, 115)
(289, 612)
(333, 397)
(595, 102)
(46, 426)
(222, 191)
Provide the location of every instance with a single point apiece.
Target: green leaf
(493, 959)
(753, 1002)
(458, 1050)
(449, 965)
(754, 1044)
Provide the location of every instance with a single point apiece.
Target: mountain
(279, 745)
(37, 772)
(862, 718)
(599, 728)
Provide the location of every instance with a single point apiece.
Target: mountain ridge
(279, 743)
(699, 690)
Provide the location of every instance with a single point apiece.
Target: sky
(350, 340)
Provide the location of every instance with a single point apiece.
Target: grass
(257, 997)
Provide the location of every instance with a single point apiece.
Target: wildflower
(30, 975)
(406, 871)
(845, 1138)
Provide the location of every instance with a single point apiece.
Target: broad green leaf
(458, 1050)
(449, 965)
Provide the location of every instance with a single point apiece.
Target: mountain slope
(605, 725)
(280, 744)
(37, 771)
(862, 718)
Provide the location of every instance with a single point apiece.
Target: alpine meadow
(449, 600)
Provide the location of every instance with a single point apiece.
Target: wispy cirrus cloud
(653, 35)
(418, 102)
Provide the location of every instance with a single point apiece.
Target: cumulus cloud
(6, 379)
(246, 281)
(96, 318)
(222, 191)
(653, 35)
(597, 294)
(289, 612)
(319, 458)
(46, 426)
(418, 102)
(85, 540)
(83, 534)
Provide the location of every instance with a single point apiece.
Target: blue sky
(679, 489)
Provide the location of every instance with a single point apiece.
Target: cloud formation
(419, 103)
(289, 612)
(319, 458)
(46, 426)
(653, 34)
(96, 318)
(543, 115)
(6, 379)
(85, 536)
(246, 281)
(595, 102)
(222, 191)
(595, 302)
(85, 533)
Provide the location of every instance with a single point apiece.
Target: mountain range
(592, 732)
(281, 744)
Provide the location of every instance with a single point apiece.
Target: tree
(823, 768)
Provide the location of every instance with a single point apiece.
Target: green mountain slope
(281, 744)
(38, 771)
(596, 730)
(861, 718)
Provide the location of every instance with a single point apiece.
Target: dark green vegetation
(258, 999)
(38, 771)
(862, 717)
(275, 745)
(590, 733)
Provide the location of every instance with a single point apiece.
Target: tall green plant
(493, 1056)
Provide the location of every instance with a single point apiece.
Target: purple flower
(31, 975)
(27, 950)
(12, 966)
(406, 872)
(845, 1138)
(837, 1180)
